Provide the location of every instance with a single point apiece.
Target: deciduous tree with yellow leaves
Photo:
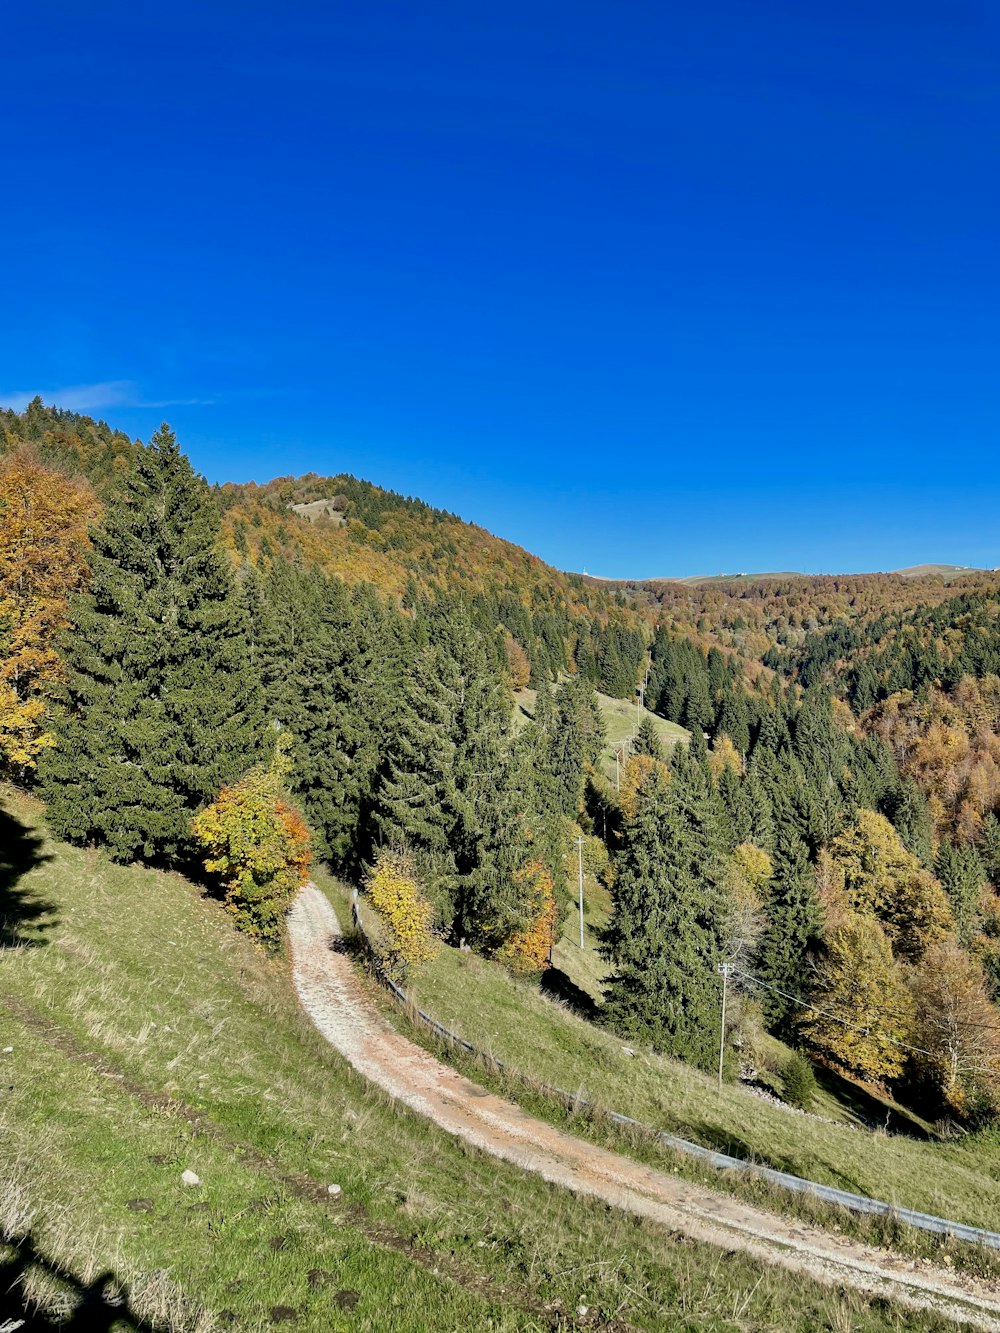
(958, 1030)
(528, 950)
(404, 910)
(868, 865)
(43, 537)
(862, 1010)
(260, 847)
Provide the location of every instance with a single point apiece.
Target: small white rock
(333, 1190)
(628, 1050)
(582, 1310)
(189, 1178)
(8, 1050)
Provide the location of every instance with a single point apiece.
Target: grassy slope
(542, 1039)
(620, 722)
(147, 1037)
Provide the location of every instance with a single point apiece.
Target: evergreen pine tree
(732, 719)
(907, 809)
(738, 813)
(417, 799)
(761, 831)
(647, 740)
(989, 848)
(963, 878)
(793, 920)
(698, 710)
(576, 741)
(664, 937)
(160, 707)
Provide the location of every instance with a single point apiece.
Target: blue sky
(647, 288)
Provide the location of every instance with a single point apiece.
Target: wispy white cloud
(90, 397)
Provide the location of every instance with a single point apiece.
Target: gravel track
(334, 999)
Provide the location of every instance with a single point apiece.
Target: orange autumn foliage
(528, 950)
(260, 847)
(43, 538)
(517, 663)
(949, 744)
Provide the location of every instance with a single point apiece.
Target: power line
(836, 1018)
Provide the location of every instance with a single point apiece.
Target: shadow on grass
(556, 983)
(871, 1110)
(721, 1140)
(93, 1307)
(711, 1136)
(22, 913)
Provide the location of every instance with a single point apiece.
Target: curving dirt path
(331, 995)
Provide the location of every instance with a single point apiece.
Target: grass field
(620, 721)
(546, 1042)
(145, 1038)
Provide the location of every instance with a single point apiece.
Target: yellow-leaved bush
(404, 910)
(259, 845)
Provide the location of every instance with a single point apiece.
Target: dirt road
(335, 1001)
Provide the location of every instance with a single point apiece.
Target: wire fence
(857, 1203)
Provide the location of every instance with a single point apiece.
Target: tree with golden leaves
(634, 778)
(878, 877)
(527, 950)
(260, 847)
(404, 910)
(862, 1011)
(959, 1029)
(43, 537)
(723, 755)
(517, 663)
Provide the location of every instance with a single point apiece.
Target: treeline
(785, 612)
(402, 547)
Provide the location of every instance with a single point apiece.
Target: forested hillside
(232, 680)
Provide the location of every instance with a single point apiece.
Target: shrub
(259, 846)
(404, 910)
(799, 1081)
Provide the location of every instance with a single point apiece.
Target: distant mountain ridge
(946, 572)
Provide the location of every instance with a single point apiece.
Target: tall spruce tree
(332, 664)
(418, 803)
(960, 869)
(736, 806)
(453, 787)
(160, 707)
(664, 938)
(576, 739)
(793, 919)
(647, 740)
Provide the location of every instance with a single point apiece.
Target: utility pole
(641, 695)
(724, 969)
(579, 862)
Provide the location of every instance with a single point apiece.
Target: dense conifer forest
(230, 680)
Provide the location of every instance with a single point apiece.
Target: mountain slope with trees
(210, 670)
